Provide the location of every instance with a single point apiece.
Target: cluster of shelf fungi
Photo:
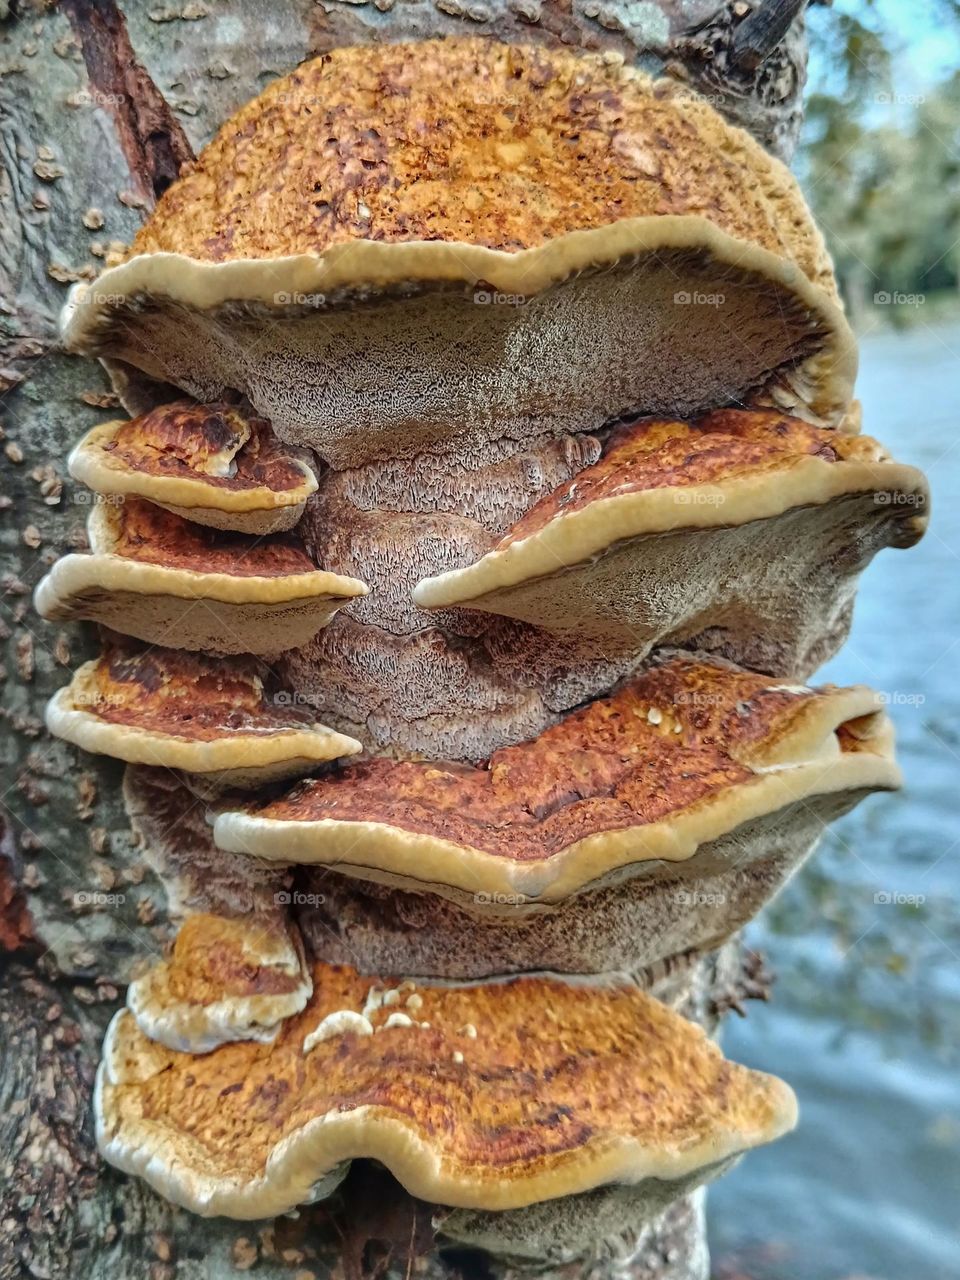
(492, 488)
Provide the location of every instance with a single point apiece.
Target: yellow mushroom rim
(160, 578)
(206, 716)
(593, 165)
(682, 755)
(217, 464)
(227, 979)
(490, 1096)
(657, 476)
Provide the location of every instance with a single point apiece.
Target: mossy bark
(98, 109)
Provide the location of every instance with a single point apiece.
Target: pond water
(865, 1017)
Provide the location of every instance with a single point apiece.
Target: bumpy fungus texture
(680, 756)
(211, 717)
(384, 203)
(384, 144)
(679, 527)
(491, 1096)
(226, 980)
(160, 578)
(216, 464)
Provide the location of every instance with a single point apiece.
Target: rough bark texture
(97, 112)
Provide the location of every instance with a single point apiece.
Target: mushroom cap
(210, 717)
(684, 754)
(227, 979)
(444, 207)
(682, 526)
(215, 464)
(163, 579)
(492, 1096)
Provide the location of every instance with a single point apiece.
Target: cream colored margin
(577, 536)
(200, 1028)
(277, 282)
(793, 771)
(176, 1165)
(235, 750)
(88, 463)
(74, 575)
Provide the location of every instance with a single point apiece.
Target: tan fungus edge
(195, 1028)
(572, 538)
(392, 853)
(86, 464)
(75, 574)
(528, 271)
(235, 750)
(171, 1165)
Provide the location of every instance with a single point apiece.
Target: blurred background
(865, 1021)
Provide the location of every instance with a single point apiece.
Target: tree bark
(98, 110)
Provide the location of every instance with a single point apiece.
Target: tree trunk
(98, 110)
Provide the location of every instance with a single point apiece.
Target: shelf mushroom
(462, 310)
(227, 979)
(643, 781)
(160, 578)
(211, 718)
(488, 1096)
(750, 522)
(215, 464)
(608, 245)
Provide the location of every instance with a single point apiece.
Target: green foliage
(881, 165)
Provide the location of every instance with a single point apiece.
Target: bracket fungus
(678, 758)
(215, 464)
(749, 521)
(543, 361)
(227, 979)
(160, 578)
(459, 1093)
(608, 244)
(211, 718)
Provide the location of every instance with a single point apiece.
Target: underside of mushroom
(492, 489)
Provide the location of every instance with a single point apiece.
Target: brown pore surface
(654, 453)
(216, 958)
(187, 440)
(471, 141)
(501, 1080)
(184, 695)
(680, 733)
(151, 535)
